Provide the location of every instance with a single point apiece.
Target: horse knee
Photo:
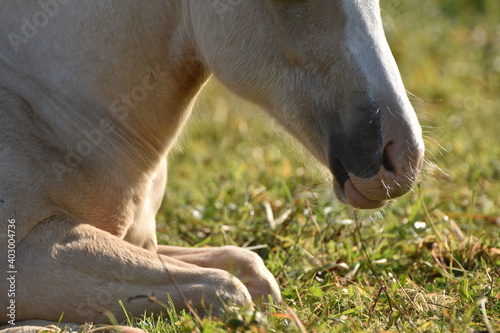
(232, 290)
(218, 290)
(250, 269)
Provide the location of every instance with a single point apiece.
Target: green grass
(429, 262)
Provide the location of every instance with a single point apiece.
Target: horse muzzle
(382, 164)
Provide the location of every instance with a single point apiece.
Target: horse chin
(350, 195)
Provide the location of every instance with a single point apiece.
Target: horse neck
(133, 64)
(161, 60)
(162, 78)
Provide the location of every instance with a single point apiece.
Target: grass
(429, 262)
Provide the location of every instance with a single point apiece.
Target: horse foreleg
(43, 326)
(84, 272)
(246, 265)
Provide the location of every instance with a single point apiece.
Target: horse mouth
(347, 192)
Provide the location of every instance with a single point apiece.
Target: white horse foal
(93, 95)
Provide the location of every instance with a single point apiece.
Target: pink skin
(400, 170)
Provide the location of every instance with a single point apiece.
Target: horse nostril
(386, 159)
